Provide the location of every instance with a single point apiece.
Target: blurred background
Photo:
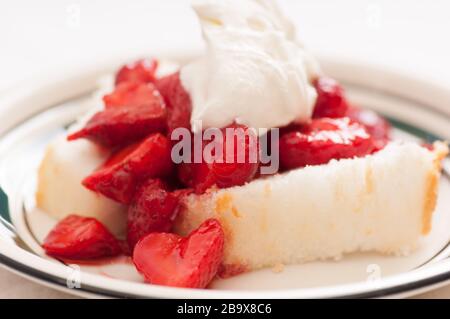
(47, 35)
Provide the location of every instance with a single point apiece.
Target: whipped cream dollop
(253, 72)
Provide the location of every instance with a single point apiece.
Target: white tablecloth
(48, 35)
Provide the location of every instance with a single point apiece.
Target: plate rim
(20, 261)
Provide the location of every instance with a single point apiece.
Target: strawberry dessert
(247, 157)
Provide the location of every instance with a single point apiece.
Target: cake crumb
(278, 268)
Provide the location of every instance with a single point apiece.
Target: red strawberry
(182, 193)
(153, 209)
(236, 166)
(132, 94)
(376, 125)
(171, 260)
(197, 176)
(77, 237)
(330, 99)
(177, 100)
(121, 173)
(140, 71)
(117, 126)
(241, 165)
(323, 140)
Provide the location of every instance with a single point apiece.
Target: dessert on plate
(247, 157)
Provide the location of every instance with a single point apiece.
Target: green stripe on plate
(4, 207)
(426, 136)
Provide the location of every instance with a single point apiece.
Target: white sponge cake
(382, 202)
(60, 192)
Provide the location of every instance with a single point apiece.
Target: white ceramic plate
(34, 113)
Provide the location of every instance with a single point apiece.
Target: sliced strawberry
(132, 94)
(197, 176)
(182, 193)
(323, 140)
(140, 71)
(117, 126)
(177, 100)
(171, 260)
(118, 177)
(236, 168)
(428, 146)
(153, 209)
(378, 127)
(237, 165)
(77, 237)
(330, 99)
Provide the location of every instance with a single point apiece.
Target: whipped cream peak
(256, 15)
(253, 71)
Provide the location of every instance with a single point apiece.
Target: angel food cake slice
(382, 202)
